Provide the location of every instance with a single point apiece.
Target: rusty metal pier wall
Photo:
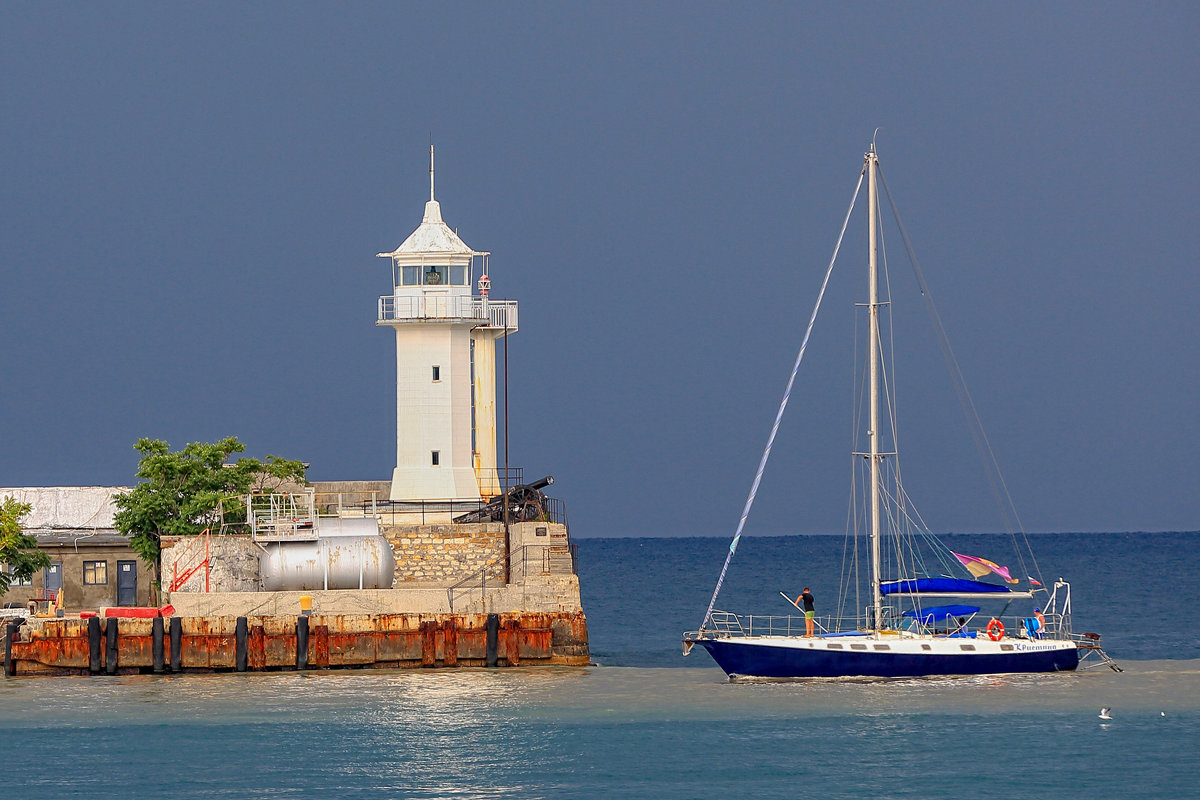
(220, 644)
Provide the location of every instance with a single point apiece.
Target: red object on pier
(136, 612)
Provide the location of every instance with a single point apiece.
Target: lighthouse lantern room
(445, 363)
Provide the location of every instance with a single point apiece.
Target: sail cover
(940, 586)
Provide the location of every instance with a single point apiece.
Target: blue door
(52, 578)
(127, 583)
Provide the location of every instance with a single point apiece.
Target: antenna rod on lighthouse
(431, 170)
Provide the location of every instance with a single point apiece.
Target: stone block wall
(233, 563)
(444, 554)
(438, 555)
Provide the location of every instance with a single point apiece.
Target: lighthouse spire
(431, 171)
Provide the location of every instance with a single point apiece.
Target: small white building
(445, 363)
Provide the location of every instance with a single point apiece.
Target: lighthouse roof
(433, 237)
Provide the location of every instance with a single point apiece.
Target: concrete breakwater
(448, 594)
(239, 644)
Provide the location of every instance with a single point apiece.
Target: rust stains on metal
(428, 643)
(318, 641)
(256, 648)
(389, 640)
(449, 642)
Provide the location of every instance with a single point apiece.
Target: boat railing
(726, 625)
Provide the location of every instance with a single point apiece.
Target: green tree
(186, 491)
(17, 548)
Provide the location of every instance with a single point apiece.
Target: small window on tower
(437, 374)
(436, 457)
(411, 276)
(458, 276)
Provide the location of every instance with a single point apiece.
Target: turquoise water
(602, 732)
(1136, 589)
(649, 723)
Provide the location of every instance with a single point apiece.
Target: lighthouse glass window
(410, 276)
(458, 276)
(435, 276)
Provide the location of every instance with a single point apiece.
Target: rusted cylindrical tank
(347, 554)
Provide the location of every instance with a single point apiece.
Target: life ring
(995, 630)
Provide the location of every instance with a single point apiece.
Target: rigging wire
(988, 456)
(850, 542)
(762, 464)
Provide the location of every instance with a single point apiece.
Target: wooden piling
(176, 644)
(95, 651)
(110, 647)
(156, 645)
(240, 633)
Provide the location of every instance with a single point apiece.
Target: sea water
(646, 722)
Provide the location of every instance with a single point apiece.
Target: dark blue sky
(193, 197)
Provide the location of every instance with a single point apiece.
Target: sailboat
(924, 612)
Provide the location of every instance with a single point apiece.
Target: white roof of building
(66, 507)
(432, 237)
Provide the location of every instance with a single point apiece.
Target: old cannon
(526, 503)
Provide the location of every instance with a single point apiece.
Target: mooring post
(110, 665)
(156, 643)
(240, 633)
(302, 642)
(493, 638)
(10, 635)
(95, 653)
(176, 644)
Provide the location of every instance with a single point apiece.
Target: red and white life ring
(995, 630)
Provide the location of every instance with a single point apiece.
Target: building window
(95, 573)
(435, 276)
(437, 374)
(436, 457)
(458, 276)
(13, 580)
(410, 276)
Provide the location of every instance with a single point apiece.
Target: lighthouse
(446, 336)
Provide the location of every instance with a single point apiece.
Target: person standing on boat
(809, 611)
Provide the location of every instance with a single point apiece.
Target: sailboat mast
(873, 434)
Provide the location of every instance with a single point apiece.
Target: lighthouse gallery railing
(493, 314)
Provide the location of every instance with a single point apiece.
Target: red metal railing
(193, 552)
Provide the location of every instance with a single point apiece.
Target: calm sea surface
(648, 723)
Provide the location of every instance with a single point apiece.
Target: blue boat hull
(759, 661)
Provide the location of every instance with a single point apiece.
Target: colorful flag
(980, 567)
(1034, 582)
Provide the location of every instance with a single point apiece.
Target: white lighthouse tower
(445, 363)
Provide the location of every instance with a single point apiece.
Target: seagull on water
(1104, 713)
